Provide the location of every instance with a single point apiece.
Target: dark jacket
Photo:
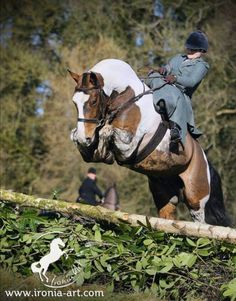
(88, 191)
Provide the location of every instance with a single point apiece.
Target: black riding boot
(161, 106)
(161, 109)
(175, 137)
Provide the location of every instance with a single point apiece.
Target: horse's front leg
(165, 192)
(103, 152)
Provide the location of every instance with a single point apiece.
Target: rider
(89, 189)
(182, 76)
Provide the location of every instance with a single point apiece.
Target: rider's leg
(175, 129)
(175, 132)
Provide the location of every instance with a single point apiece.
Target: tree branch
(117, 217)
(226, 112)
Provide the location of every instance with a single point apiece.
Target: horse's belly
(161, 163)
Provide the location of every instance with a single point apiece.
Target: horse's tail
(215, 213)
(34, 267)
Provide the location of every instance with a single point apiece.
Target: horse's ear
(74, 75)
(96, 79)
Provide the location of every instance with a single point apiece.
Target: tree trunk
(117, 217)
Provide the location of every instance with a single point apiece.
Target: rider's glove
(170, 79)
(161, 70)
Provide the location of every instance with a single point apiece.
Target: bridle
(100, 122)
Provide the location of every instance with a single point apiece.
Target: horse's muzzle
(86, 147)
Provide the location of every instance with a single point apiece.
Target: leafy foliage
(22, 144)
(124, 258)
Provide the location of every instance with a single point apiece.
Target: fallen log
(99, 213)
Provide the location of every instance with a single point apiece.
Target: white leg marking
(199, 215)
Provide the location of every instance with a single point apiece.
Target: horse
(42, 265)
(118, 122)
(111, 198)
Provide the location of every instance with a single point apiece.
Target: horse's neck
(110, 196)
(117, 75)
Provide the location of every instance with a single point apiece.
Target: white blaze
(79, 99)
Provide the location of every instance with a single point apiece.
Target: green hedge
(124, 258)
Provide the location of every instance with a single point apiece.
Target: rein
(131, 101)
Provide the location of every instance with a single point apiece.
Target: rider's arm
(190, 76)
(97, 191)
(169, 66)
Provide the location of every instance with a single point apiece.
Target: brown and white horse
(117, 121)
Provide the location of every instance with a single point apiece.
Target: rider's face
(92, 176)
(193, 54)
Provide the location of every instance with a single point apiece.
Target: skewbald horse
(117, 122)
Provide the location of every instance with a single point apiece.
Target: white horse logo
(42, 265)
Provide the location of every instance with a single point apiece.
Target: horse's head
(89, 99)
(111, 198)
(58, 242)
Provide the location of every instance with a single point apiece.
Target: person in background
(89, 189)
(178, 80)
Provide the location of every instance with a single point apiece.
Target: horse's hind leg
(44, 270)
(165, 192)
(196, 180)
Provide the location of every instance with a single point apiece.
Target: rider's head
(91, 173)
(196, 43)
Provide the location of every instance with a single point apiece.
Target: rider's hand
(170, 79)
(162, 70)
(151, 71)
(102, 201)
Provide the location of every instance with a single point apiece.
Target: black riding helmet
(92, 170)
(197, 40)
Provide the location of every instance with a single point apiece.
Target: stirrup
(175, 135)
